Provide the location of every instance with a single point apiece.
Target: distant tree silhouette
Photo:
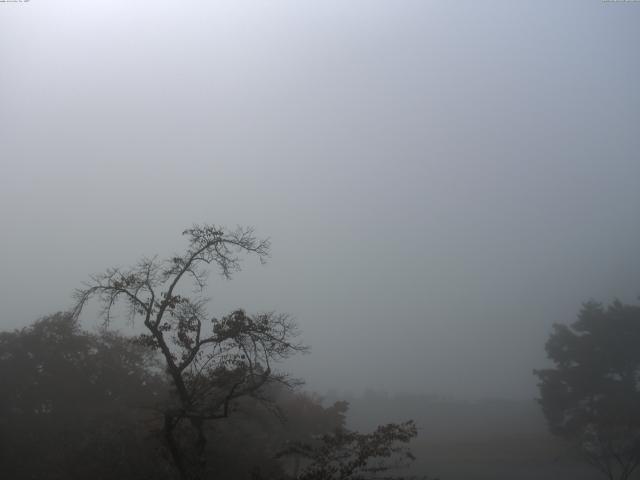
(212, 362)
(592, 395)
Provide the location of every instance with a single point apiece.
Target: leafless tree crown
(211, 361)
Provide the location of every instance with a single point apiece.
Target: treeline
(77, 405)
(197, 397)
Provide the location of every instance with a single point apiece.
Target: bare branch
(209, 368)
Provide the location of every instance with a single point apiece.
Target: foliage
(247, 444)
(592, 396)
(71, 402)
(91, 406)
(344, 454)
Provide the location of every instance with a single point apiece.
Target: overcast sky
(441, 181)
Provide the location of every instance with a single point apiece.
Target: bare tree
(210, 361)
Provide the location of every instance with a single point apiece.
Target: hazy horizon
(441, 181)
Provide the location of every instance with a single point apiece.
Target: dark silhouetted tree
(592, 395)
(212, 362)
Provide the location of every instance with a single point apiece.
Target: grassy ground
(514, 457)
(485, 440)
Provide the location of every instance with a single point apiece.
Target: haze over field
(441, 181)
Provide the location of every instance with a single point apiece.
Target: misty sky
(441, 181)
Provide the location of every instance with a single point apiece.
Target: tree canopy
(77, 403)
(592, 395)
(91, 405)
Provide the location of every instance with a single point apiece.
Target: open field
(484, 440)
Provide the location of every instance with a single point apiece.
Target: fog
(441, 181)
